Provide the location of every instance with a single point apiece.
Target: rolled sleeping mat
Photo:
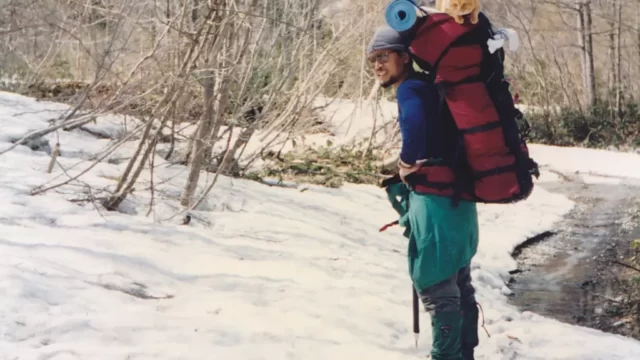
(401, 15)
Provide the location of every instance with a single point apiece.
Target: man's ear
(405, 57)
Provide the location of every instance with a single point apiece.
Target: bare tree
(617, 57)
(585, 41)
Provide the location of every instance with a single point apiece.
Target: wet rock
(586, 283)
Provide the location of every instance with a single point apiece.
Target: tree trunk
(612, 48)
(585, 41)
(638, 40)
(617, 73)
(201, 149)
(200, 143)
(582, 47)
(591, 77)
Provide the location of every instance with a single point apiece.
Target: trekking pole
(416, 316)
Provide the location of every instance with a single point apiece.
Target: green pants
(443, 239)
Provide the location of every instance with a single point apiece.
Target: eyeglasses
(383, 58)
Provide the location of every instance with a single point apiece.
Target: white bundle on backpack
(503, 34)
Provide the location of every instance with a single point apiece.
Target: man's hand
(405, 169)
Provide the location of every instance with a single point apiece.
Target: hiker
(443, 236)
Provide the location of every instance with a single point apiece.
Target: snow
(592, 165)
(260, 273)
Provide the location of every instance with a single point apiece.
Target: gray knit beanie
(387, 38)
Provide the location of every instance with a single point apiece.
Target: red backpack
(491, 163)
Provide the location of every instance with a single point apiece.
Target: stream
(567, 274)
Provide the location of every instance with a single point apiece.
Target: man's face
(390, 67)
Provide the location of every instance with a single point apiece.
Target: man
(443, 238)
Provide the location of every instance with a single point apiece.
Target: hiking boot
(447, 331)
(469, 334)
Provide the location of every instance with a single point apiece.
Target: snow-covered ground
(260, 273)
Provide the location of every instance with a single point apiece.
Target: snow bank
(260, 273)
(591, 165)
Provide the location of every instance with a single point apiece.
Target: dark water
(567, 274)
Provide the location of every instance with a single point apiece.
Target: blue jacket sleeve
(413, 123)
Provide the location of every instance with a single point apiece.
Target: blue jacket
(423, 134)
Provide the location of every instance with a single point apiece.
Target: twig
(54, 157)
(625, 265)
(93, 202)
(151, 166)
(482, 311)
